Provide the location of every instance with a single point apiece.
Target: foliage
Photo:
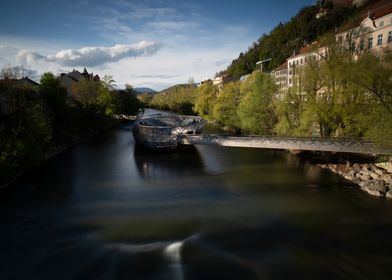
(87, 92)
(127, 102)
(179, 98)
(286, 37)
(205, 100)
(36, 119)
(226, 104)
(339, 95)
(54, 94)
(255, 111)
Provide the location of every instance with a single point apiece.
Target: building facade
(371, 30)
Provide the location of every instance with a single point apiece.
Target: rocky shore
(371, 178)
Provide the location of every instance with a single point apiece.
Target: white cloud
(94, 56)
(25, 57)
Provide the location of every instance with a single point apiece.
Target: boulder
(348, 177)
(362, 184)
(365, 166)
(389, 194)
(356, 181)
(356, 168)
(376, 188)
(389, 167)
(365, 177)
(379, 171)
(387, 178)
(374, 175)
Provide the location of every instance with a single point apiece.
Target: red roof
(283, 66)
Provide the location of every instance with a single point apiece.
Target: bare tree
(14, 72)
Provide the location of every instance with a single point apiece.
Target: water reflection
(153, 165)
(104, 210)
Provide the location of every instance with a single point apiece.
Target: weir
(339, 145)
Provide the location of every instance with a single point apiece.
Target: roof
(305, 49)
(22, 81)
(377, 9)
(283, 66)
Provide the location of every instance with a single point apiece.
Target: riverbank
(57, 149)
(369, 177)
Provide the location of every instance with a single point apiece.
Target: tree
(87, 92)
(205, 99)
(225, 107)
(14, 72)
(54, 94)
(127, 102)
(255, 110)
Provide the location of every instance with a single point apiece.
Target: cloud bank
(91, 56)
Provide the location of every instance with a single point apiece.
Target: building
(6, 96)
(370, 30)
(220, 80)
(280, 75)
(70, 80)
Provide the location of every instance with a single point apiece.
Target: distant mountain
(144, 90)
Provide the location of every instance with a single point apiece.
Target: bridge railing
(347, 145)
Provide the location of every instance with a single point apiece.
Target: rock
(348, 177)
(375, 187)
(365, 166)
(366, 172)
(365, 177)
(356, 181)
(362, 184)
(374, 175)
(389, 167)
(379, 171)
(387, 178)
(356, 167)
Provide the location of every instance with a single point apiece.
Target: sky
(145, 43)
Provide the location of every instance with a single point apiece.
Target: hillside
(177, 88)
(303, 28)
(141, 90)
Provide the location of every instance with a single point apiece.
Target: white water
(173, 253)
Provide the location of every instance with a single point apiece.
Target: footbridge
(339, 145)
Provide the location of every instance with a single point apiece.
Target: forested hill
(280, 43)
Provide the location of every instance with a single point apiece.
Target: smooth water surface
(105, 210)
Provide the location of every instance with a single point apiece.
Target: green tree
(226, 104)
(87, 92)
(255, 109)
(205, 99)
(54, 94)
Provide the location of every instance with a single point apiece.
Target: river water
(105, 210)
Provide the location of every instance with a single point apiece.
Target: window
(301, 60)
(353, 46)
(379, 40)
(370, 43)
(362, 44)
(390, 37)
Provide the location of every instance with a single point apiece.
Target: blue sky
(153, 43)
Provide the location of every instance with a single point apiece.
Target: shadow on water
(153, 165)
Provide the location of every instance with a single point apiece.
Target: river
(105, 210)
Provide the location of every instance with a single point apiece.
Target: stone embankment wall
(371, 178)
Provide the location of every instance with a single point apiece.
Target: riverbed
(106, 210)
